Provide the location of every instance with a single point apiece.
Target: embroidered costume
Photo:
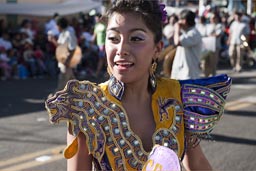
(180, 108)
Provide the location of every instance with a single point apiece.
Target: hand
(50, 38)
(62, 67)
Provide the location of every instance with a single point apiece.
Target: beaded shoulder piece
(74, 105)
(203, 102)
(86, 108)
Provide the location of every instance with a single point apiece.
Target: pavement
(29, 142)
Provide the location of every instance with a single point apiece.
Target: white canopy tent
(36, 9)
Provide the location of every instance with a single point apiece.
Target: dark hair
(203, 19)
(189, 16)
(55, 15)
(62, 22)
(175, 18)
(238, 13)
(149, 11)
(98, 15)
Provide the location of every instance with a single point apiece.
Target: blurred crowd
(227, 38)
(25, 51)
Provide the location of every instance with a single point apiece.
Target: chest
(142, 124)
(139, 130)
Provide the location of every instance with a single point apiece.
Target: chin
(122, 78)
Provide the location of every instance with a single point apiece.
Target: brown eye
(136, 38)
(112, 38)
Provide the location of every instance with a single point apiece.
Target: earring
(116, 87)
(152, 77)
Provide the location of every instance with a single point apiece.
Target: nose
(123, 48)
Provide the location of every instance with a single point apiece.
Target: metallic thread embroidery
(105, 124)
(203, 107)
(164, 105)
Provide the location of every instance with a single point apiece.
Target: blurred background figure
(5, 68)
(211, 45)
(168, 30)
(201, 26)
(186, 64)
(167, 55)
(236, 30)
(51, 25)
(67, 42)
(99, 35)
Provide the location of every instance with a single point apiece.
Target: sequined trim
(206, 99)
(105, 124)
(167, 136)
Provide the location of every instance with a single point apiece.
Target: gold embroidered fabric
(90, 109)
(191, 106)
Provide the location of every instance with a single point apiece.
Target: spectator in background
(201, 26)
(224, 36)
(17, 40)
(214, 29)
(86, 37)
(40, 60)
(52, 25)
(5, 68)
(26, 28)
(29, 59)
(90, 55)
(205, 53)
(13, 62)
(68, 39)
(99, 36)
(168, 54)
(237, 29)
(252, 39)
(5, 41)
(186, 64)
(168, 30)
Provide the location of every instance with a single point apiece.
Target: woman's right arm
(81, 161)
(176, 36)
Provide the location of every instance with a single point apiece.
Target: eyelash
(135, 38)
(112, 38)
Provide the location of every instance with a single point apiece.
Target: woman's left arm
(194, 159)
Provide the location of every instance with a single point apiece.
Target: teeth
(123, 63)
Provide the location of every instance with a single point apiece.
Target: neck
(136, 91)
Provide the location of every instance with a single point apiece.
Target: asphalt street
(30, 142)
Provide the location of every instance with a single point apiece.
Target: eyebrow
(132, 30)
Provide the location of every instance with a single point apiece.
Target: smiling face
(130, 47)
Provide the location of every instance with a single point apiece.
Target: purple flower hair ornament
(163, 11)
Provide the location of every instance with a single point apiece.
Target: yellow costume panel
(178, 107)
